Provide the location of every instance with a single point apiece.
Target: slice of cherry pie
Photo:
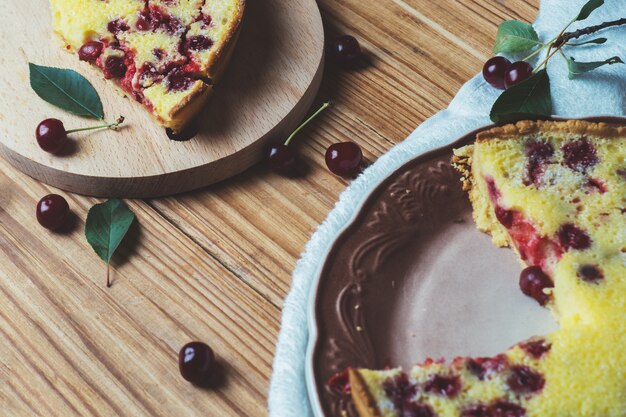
(165, 54)
(556, 193)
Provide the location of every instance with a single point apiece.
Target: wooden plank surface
(214, 265)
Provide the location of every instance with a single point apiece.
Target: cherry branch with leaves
(531, 97)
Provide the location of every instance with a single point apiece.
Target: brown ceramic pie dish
(410, 278)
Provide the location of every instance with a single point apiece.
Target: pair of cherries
(502, 74)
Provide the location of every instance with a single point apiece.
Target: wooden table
(214, 265)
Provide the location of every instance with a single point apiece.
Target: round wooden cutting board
(268, 88)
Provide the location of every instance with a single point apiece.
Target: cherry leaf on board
(67, 89)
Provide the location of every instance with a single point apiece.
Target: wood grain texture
(215, 264)
(272, 80)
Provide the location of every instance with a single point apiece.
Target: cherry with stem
(52, 136)
(281, 157)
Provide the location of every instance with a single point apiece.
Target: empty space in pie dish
(454, 294)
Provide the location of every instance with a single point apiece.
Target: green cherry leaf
(598, 41)
(588, 8)
(67, 89)
(576, 68)
(528, 99)
(106, 226)
(515, 36)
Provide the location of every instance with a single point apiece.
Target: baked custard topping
(556, 193)
(165, 54)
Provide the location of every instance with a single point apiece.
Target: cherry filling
(147, 74)
(580, 155)
(198, 43)
(117, 26)
(417, 410)
(400, 391)
(90, 51)
(114, 67)
(596, 185)
(590, 273)
(483, 368)
(572, 237)
(504, 408)
(179, 81)
(505, 217)
(533, 281)
(536, 348)
(479, 410)
(205, 19)
(533, 248)
(340, 383)
(499, 408)
(160, 19)
(523, 380)
(538, 154)
(447, 386)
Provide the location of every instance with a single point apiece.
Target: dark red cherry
(533, 281)
(196, 362)
(476, 411)
(571, 237)
(340, 383)
(517, 72)
(282, 159)
(503, 408)
(538, 150)
(346, 51)
(52, 211)
(178, 81)
(51, 135)
(114, 67)
(398, 389)
(143, 21)
(482, 368)
(447, 386)
(117, 26)
(580, 155)
(198, 43)
(494, 71)
(536, 348)
(524, 380)
(505, 217)
(412, 409)
(90, 51)
(344, 159)
(590, 273)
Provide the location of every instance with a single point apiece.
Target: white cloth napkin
(599, 93)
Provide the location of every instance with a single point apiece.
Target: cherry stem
(566, 37)
(108, 275)
(307, 121)
(535, 52)
(113, 126)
